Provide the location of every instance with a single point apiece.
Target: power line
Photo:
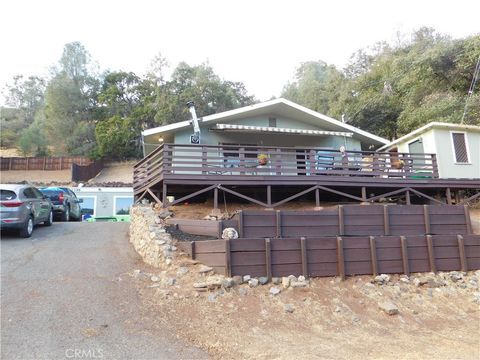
(472, 88)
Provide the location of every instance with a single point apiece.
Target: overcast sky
(257, 42)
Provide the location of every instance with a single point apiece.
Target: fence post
(426, 218)
(279, 223)
(240, 224)
(406, 265)
(26, 165)
(268, 259)
(241, 158)
(61, 163)
(431, 254)
(228, 262)
(204, 160)
(373, 255)
(340, 258)
(44, 162)
(461, 252)
(303, 249)
(278, 161)
(341, 225)
(193, 249)
(386, 220)
(434, 165)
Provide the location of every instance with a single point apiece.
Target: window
(272, 122)
(122, 205)
(7, 195)
(88, 205)
(28, 193)
(460, 148)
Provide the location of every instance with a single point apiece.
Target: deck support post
(407, 197)
(215, 211)
(448, 194)
(364, 196)
(269, 197)
(317, 200)
(164, 195)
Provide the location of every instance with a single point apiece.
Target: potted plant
(262, 159)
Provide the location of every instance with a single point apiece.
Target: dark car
(66, 205)
(22, 207)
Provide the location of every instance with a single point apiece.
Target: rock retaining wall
(149, 238)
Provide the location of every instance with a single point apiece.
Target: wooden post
(279, 223)
(431, 254)
(407, 197)
(461, 252)
(406, 265)
(468, 221)
(45, 162)
(303, 248)
(426, 219)
(448, 194)
(215, 200)
(278, 161)
(386, 221)
(164, 195)
(61, 163)
(364, 194)
(435, 166)
(10, 164)
(204, 160)
(269, 196)
(317, 199)
(312, 161)
(340, 258)
(26, 166)
(268, 259)
(193, 249)
(373, 255)
(341, 225)
(228, 262)
(241, 158)
(240, 224)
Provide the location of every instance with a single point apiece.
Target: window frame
(94, 197)
(467, 148)
(115, 203)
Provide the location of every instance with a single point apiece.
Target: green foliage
(33, 140)
(391, 91)
(116, 138)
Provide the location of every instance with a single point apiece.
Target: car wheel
(66, 214)
(27, 229)
(49, 221)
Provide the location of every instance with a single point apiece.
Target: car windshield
(7, 195)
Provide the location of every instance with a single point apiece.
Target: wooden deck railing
(230, 160)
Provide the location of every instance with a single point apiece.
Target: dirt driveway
(66, 293)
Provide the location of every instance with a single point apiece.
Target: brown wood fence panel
(357, 220)
(330, 256)
(86, 172)
(42, 163)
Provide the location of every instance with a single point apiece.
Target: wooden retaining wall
(339, 256)
(356, 220)
(42, 163)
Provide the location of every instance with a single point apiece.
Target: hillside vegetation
(386, 89)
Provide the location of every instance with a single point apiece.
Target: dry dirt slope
(330, 320)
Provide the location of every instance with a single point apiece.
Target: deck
(188, 171)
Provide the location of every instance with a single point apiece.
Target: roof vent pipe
(195, 137)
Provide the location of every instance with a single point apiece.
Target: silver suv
(22, 207)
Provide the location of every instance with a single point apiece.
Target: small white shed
(457, 148)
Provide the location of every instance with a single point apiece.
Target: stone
(263, 280)
(253, 282)
(246, 278)
(171, 281)
(213, 297)
(456, 276)
(153, 234)
(155, 278)
(285, 282)
(337, 309)
(229, 233)
(204, 269)
(292, 278)
(275, 290)
(165, 214)
(276, 280)
(160, 242)
(382, 279)
(432, 283)
(242, 291)
(289, 308)
(298, 284)
(168, 261)
(228, 283)
(214, 282)
(302, 278)
(238, 280)
(388, 307)
(182, 270)
(355, 318)
(200, 285)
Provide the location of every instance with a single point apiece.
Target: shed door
(416, 147)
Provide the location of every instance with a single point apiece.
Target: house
(457, 148)
(278, 122)
(278, 151)
(107, 202)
